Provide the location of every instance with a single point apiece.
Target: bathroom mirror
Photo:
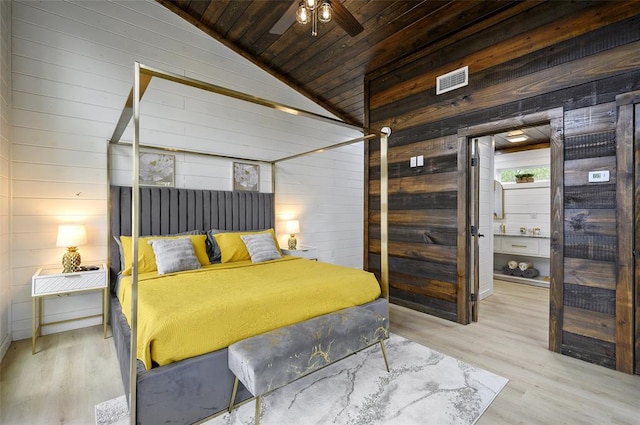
(498, 211)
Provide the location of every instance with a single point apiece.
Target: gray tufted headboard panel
(165, 210)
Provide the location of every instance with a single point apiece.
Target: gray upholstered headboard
(165, 210)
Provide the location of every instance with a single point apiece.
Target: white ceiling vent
(452, 80)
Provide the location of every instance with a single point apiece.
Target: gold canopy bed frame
(142, 78)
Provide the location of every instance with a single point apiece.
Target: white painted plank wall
(72, 70)
(5, 175)
(525, 204)
(325, 192)
(485, 222)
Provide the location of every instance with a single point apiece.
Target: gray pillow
(261, 247)
(213, 250)
(120, 250)
(174, 255)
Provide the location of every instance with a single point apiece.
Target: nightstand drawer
(308, 252)
(70, 282)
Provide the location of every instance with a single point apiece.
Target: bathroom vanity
(522, 248)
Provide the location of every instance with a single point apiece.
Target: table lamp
(293, 227)
(71, 236)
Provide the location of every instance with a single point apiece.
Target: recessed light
(517, 139)
(515, 133)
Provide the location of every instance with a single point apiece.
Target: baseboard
(486, 293)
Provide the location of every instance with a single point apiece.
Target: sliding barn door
(630, 130)
(427, 239)
(627, 143)
(636, 134)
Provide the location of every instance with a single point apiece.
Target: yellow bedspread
(186, 314)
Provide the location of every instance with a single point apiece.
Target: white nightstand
(308, 252)
(60, 284)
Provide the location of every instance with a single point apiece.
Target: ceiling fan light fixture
(302, 16)
(325, 12)
(309, 11)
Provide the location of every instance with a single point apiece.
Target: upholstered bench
(271, 360)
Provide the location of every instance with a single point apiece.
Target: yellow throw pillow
(232, 246)
(146, 257)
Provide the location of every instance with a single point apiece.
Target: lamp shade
(293, 226)
(71, 235)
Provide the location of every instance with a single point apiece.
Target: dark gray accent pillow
(174, 255)
(261, 247)
(120, 250)
(213, 250)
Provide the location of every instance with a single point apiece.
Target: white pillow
(261, 247)
(174, 255)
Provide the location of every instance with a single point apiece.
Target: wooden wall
(576, 56)
(590, 237)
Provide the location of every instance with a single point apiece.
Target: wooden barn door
(427, 236)
(592, 310)
(629, 133)
(627, 210)
(636, 135)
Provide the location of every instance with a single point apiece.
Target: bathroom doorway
(548, 126)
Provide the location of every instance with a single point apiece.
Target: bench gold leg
(233, 394)
(258, 401)
(384, 354)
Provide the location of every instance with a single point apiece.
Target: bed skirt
(187, 391)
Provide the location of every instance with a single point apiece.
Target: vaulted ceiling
(330, 68)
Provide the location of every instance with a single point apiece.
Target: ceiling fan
(342, 16)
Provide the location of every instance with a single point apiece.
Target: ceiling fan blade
(286, 20)
(345, 19)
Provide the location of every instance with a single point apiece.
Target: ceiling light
(302, 16)
(515, 133)
(325, 13)
(307, 11)
(516, 139)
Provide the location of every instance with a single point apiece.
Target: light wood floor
(511, 339)
(75, 370)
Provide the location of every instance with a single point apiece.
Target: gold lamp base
(71, 260)
(292, 241)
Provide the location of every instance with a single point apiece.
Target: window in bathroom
(522, 175)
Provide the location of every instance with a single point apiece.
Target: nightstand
(308, 252)
(62, 284)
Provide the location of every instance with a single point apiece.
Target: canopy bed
(178, 373)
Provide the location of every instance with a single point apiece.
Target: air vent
(452, 80)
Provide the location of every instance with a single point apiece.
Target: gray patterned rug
(423, 387)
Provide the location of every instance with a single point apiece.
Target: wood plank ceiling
(330, 69)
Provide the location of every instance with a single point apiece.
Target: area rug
(423, 387)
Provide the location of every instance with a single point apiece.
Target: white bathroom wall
(485, 225)
(525, 204)
(72, 68)
(5, 176)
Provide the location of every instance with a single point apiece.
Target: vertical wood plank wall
(575, 56)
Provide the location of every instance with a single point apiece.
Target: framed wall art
(246, 177)
(156, 169)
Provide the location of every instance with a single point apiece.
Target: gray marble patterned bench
(271, 360)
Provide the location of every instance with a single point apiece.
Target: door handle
(480, 235)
